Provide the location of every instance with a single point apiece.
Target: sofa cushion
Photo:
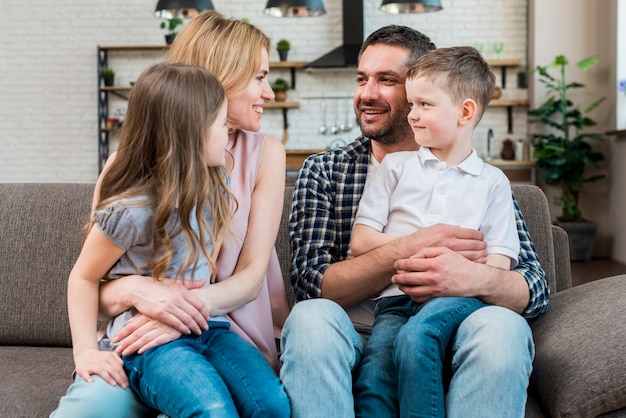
(41, 238)
(580, 367)
(34, 379)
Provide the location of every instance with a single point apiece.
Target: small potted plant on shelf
(563, 151)
(171, 26)
(280, 87)
(283, 46)
(108, 76)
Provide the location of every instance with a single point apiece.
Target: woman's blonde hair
(162, 156)
(228, 48)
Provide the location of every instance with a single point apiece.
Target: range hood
(347, 54)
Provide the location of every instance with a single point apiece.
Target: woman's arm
(265, 213)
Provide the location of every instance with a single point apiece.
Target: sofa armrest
(579, 365)
(561, 259)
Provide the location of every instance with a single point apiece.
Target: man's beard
(395, 129)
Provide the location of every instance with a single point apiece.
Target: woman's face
(244, 112)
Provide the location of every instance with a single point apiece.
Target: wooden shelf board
(287, 64)
(505, 103)
(282, 105)
(504, 63)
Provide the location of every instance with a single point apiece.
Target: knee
(99, 399)
(315, 324)
(276, 406)
(497, 338)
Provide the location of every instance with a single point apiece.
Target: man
(323, 338)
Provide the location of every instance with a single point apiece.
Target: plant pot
(170, 38)
(280, 96)
(109, 82)
(581, 237)
(283, 55)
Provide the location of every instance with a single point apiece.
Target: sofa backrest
(550, 241)
(41, 234)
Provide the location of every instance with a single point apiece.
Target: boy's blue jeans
(215, 374)
(408, 336)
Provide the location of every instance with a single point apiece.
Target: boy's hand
(106, 364)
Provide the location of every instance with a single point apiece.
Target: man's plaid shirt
(325, 200)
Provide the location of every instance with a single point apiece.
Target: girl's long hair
(162, 155)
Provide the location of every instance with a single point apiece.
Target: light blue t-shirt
(127, 223)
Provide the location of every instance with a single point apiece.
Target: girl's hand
(142, 333)
(106, 364)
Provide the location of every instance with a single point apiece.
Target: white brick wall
(48, 109)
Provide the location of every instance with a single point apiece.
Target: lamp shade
(410, 6)
(182, 9)
(295, 8)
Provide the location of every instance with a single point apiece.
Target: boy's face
(433, 116)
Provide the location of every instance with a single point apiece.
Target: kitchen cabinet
(103, 58)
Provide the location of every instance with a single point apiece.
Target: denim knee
(99, 399)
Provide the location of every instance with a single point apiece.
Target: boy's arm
(365, 238)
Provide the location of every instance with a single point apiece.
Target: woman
(249, 276)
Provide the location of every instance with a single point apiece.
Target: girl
(164, 204)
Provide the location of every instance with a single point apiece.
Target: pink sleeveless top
(261, 320)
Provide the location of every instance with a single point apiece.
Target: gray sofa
(579, 370)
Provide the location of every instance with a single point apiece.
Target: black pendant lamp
(294, 8)
(410, 6)
(181, 9)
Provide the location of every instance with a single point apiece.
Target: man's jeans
(492, 354)
(216, 374)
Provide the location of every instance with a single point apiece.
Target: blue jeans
(491, 361)
(407, 336)
(100, 400)
(215, 374)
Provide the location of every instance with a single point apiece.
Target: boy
(444, 182)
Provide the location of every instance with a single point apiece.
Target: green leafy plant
(283, 45)
(563, 151)
(108, 73)
(171, 25)
(280, 84)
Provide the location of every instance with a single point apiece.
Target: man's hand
(436, 272)
(142, 333)
(465, 241)
(172, 303)
(106, 364)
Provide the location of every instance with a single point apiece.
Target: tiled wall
(48, 118)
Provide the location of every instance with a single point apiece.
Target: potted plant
(280, 87)
(563, 151)
(283, 46)
(108, 76)
(171, 25)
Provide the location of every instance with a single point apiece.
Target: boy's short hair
(461, 71)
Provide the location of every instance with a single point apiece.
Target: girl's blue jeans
(215, 374)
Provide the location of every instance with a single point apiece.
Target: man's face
(380, 97)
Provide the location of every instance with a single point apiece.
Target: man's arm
(320, 227)
(439, 272)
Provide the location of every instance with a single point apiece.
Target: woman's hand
(106, 364)
(142, 333)
(170, 301)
